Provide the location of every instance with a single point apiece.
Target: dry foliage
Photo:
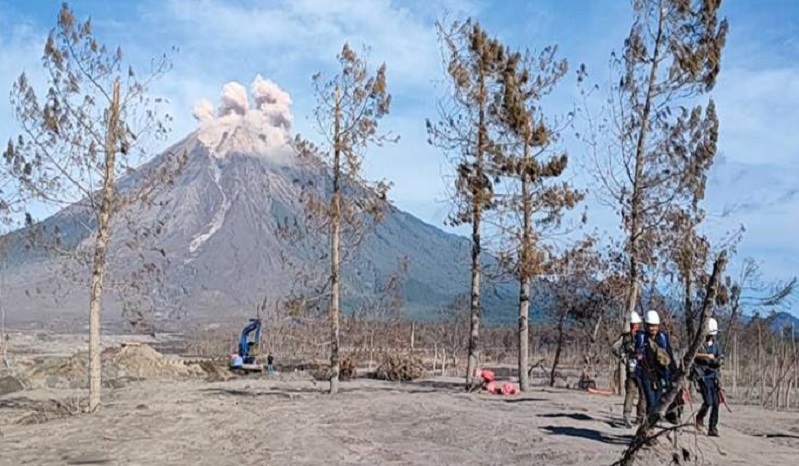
(349, 108)
(654, 167)
(467, 132)
(348, 366)
(400, 368)
(82, 139)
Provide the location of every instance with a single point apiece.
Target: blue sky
(756, 176)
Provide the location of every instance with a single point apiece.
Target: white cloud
(315, 30)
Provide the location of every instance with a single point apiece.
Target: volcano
(225, 255)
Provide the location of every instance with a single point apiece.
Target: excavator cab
(245, 357)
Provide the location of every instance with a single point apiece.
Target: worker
(708, 361)
(270, 360)
(624, 349)
(655, 361)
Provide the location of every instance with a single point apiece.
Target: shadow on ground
(589, 434)
(575, 416)
(440, 385)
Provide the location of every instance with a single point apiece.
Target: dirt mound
(119, 365)
(144, 362)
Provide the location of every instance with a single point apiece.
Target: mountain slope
(221, 238)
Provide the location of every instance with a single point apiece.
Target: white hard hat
(635, 318)
(652, 318)
(712, 326)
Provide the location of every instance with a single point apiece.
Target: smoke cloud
(234, 99)
(204, 110)
(272, 101)
(235, 127)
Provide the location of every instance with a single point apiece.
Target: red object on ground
(491, 387)
(509, 389)
(487, 375)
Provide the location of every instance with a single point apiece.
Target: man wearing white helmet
(624, 349)
(708, 361)
(656, 363)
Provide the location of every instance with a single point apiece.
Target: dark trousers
(630, 391)
(652, 390)
(710, 401)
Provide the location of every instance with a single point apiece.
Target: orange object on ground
(599, 392)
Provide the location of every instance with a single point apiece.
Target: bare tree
(575, 298)
(349, 107)
(533, 203)
(383, 310)
(465, 131)
(671, 57)
(79, 141)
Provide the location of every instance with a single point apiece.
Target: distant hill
(784, 320)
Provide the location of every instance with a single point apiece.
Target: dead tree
(350, 105)
(532, 205)
(465, 131)
(80, 137)
(671, 57)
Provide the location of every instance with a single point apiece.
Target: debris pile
(400, 368)
(119, 365)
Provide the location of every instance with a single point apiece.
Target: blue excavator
(245, 358)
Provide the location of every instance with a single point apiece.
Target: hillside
(221, 241)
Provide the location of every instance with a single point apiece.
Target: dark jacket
(647, 360)
(704, 369)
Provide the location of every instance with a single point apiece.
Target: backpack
(661, 355)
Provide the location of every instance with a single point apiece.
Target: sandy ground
(430, 422)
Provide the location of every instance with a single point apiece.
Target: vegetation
(84, 132)
(651, 155)
(349, 107)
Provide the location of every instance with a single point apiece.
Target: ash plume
(236, 127)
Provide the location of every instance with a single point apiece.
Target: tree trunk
(371, 349)
(524, 285)
(558, 351)
(524, 350)
(100, 249)
(636, 202)
(335, 247)
(689, 311)
(760, 365)
(477, 213)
